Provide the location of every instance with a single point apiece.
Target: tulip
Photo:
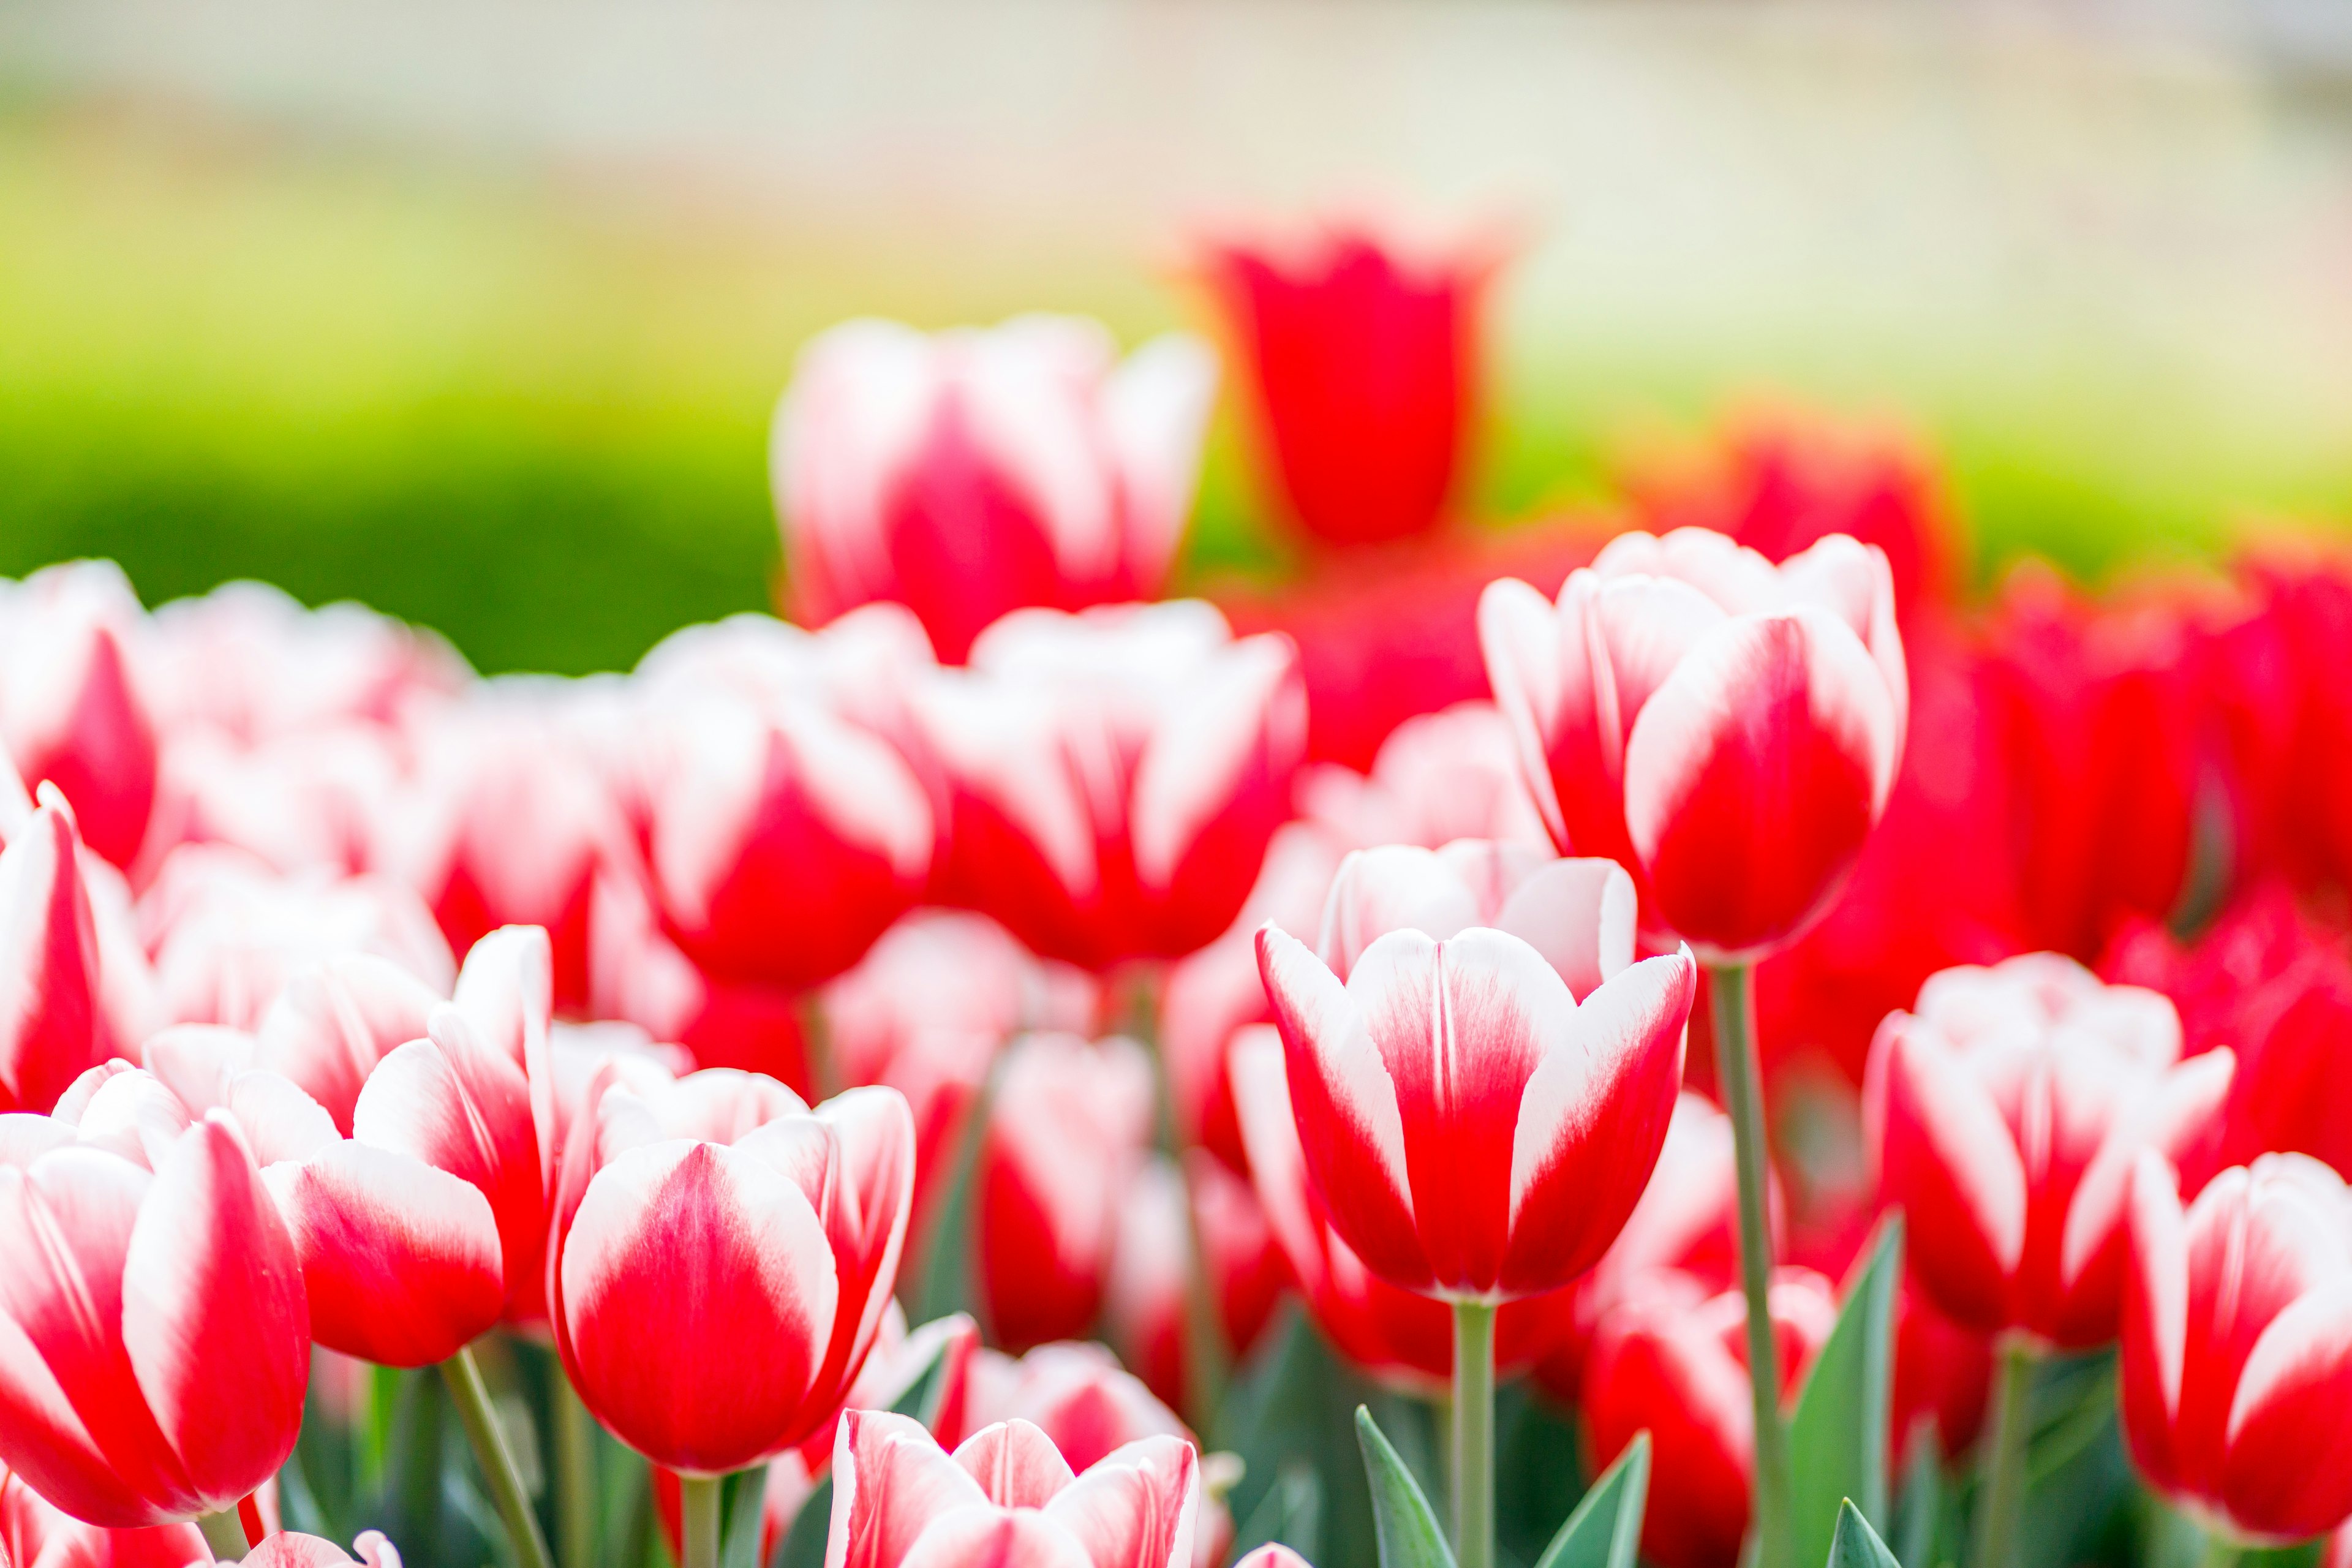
(1395, 1334)
(291, 1549)
(56, 1021)
(1365, 365)
(720, 1260)
(2237, 1346)
(334, 1020)
(972, 473)
(2004, 1116)
(1115, 777)
(1180, 1341)
(35, 1534)
(161, 1341)
(1577, 914)
(1672, 1361)
(1726, 729)
(1005, 1496)
(1438, 777)
(325, 796)
(73, 707)
(1068, 1124)
(1943, 1377)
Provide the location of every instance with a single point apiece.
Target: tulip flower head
(292, 1549)
(1006, 1495)
(1726, 729)
(721, 1258)
(2004, 1115)
(75, 711)
(55, 1025)
(2237, 1346)
(974, 473)
(1473, 1127)
(36, 1534)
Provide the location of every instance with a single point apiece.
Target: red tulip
(1068, 1127)
(329, 795)
(1438, 777)
(56, 1021)
(1474, 1130)
(334, 1020)
(36, 1534)
(2237, 1346)
(2004, 1116)
(1390, 1331)
(1943, 1375)
(638, 976)
(1116, 776)
(1006, 1497)
(1726, 729)
(160, 1342)
(722, 1258)
(228, 933)
(2276, 988)
(972, 473)
(1365, 361)
(1577, 914)
(291, 1549)
(1672, 1361)
(74, 706)
(1145, 1306)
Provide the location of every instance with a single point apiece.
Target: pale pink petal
(1648, 626)
(1002, 1538)
(1579, 914)
(891, 1480)
(1135, 1507)
(1015, 1463)
(335, 1020)
(1524, 650)
(1397, 887)
(1155, 415)
(1248, 703)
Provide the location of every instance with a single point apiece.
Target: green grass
(534, 417)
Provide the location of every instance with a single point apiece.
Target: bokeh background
(478, 309)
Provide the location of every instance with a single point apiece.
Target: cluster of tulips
(1855, 1066)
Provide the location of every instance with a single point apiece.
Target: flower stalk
(2003, 1487)
(471, 1395)
(1474, 1434)
(225, 1534)
(700, 1498)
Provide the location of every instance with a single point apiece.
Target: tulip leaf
(1408, 1531)
(743, 1507)
(1853, 1544)
(1291, 1513)
(1605, 1530)
(1838, 1438)
(1919, 1507)
(805, 1540)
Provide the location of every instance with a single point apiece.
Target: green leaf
(804, 1543)
(1919, 1507)
(1853, 1544)
(1606, 1528)
(1409, 1535)
(1290, 1512)
(743, 1507)
(1838, 1438)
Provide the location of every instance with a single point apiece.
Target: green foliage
(1853, 1544)
(1838, 1438)
(1409, 1536)
(1605, 1530)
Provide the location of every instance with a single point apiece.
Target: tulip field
(1685, 1032)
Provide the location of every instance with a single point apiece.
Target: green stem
(2004, 1490)
(699, 1497)
(472, 1398)
(225, 1534)
(575, 1468)
(2219, 1552)
(1474, 1434)
(1739, 1077)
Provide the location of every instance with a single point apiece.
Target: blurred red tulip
(1146, 1304)
(1502, 1160)
(1068, 1125)
(972, 473)
(1440, 776)
(2004, 1115)
(1673, 1360)
(36, 1534)
(57, 1024)
(73, 705)
(1943, 1375)
(334, 1020)
(2275, 988)
(162, 1342)
(720, 1259)
(2237, 1346)
(1726, 729)
(1391, 1333)
(1365, 363)
(1006, 1497)
(1116, 776)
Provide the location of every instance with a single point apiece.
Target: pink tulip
(1390, 1331)
(972, 473)
(2004, 1116)
(334, 1020)
(1577, 914)
(1067, 1128)
(722, 1259)
(1366, 364)
(36, 1534)
(1726, 729)
(2237, 1346)
(74, 707)
(161, 1343)
(1475, 1131)
(291, 1549)
(310, 797)
(54, 1021)
(1438, 777)
(1116, 776)
(1006, 1497)
(1147, 1300)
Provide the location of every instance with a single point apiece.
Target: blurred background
(478, 309)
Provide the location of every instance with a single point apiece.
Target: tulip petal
(1397, 887)
(1648, 625)
(2155, 1319)
(213, 1316)
(1350, 1124)
(2288, 1473)
(699, 1292)
(1534, 671)
(1947, 1156)
(50, 1026)
(335, 1020)
(1135, 1507)
(1592, 1121)
(889, 1480)
(507, 990)
(400, 1261)
(1579, 914)
(997, 1537)
(1015, 1463)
